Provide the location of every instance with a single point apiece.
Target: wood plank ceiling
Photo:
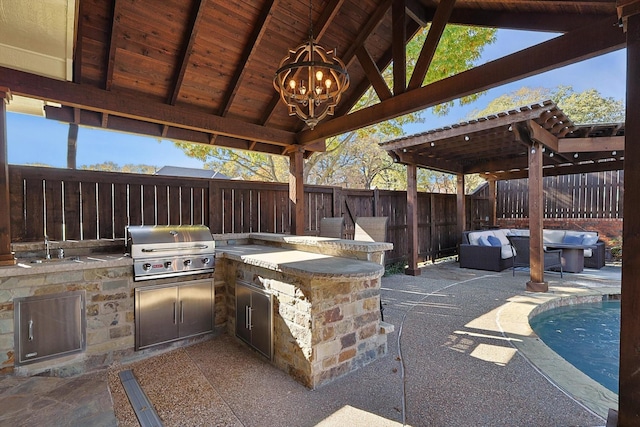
(202, 70)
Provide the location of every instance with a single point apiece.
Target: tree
(584, 107)
(114, 167)
(354, 159)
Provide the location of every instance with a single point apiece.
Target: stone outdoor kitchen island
(325, 294)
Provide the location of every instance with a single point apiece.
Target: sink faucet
(47, 253)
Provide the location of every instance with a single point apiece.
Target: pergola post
(629, 382)
(461, 212)
(492, 201)
(72, 146)
(296, 190)
(6, 256)
(537, 283)
(412, 220)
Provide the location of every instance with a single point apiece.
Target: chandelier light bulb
(303, 88)
(318, 90)
(319, 75)
(327, 84)
(292, 84)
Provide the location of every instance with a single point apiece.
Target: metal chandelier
(311, 80)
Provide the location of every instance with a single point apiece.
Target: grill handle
(176, 248)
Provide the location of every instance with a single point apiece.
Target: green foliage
(114, 167)
(397, 268)
(584, 107)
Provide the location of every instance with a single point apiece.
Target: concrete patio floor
(462, 354)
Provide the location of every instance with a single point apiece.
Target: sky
(37, 140)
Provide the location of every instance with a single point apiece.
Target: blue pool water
(587, 336)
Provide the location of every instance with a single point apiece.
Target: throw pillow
(482, 241)
(494, 241)
(572, 239)
(589, 240)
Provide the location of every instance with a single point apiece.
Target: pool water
(587, 336)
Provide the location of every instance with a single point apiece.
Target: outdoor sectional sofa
(480, 249)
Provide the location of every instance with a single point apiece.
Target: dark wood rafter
(398, 46)
(440, 19)
(574, 46)
(187, 49)
(112, 45)
(259, 31)
(77, 46)
(373, 74)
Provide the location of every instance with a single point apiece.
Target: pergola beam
(572, 47)
(584, 145)
(136, 107)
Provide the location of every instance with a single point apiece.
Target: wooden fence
(592, 195)
(84, 205)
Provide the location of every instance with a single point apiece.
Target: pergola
(202, 71)
(532, 141)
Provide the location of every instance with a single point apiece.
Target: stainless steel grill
(160, 251)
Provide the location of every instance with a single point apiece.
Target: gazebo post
(537, 283)
(412, 220)
(461, 212)
(492, 201)
(628, 396)
(296, 190)
(6, 256)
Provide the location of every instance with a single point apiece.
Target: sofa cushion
(507, 251)
(588, 253)
(570, 239)
(473, 237)
(482, 241)
(589, 240)
(552, 236)
(494, 241)
(502, 235)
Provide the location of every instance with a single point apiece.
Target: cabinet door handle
(250, 322)
(30, 330)
(175, 314)
(181, 311)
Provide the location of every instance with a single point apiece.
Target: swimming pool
(585, 335)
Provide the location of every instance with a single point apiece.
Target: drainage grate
(147, 416)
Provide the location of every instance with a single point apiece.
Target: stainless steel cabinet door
(157, 315)
(49, 326)
(195, 308)
(243, 305)
(261, 322)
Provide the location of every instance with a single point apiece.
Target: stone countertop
(26, 266)
(300, 263)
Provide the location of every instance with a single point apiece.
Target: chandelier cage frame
(311, 80)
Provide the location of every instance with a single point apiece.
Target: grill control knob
(167, 264)
(187, 262)
(146, 267)
(206, 261)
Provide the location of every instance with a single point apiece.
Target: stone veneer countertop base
(298, 262)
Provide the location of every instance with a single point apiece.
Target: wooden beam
(417, 12)
(6, 256)
(541, 135)
(412, 221)
(563, 50)
(296, 191)
(112, 44)
(628, 396)
(136, 107)
(398, 42)
(564, 169)
(437, 164)
(72, 146)
(373, 73)
(259, 30)
(187, 50)
(77, 46)
(461, 210)
(443, 12)
(536, 212)
(584, 145)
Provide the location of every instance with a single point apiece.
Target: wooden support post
(398, 45)
(461, 209)
(296, 190)
(493, 205)
(628, 395)
(537, 283)
(6, 256)
(72, 146)
(412, 220)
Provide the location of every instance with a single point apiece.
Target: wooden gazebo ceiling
(497, 146)
(202, 70)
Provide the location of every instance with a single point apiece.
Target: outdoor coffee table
(572, 256)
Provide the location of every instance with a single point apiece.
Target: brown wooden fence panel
(592, 195)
